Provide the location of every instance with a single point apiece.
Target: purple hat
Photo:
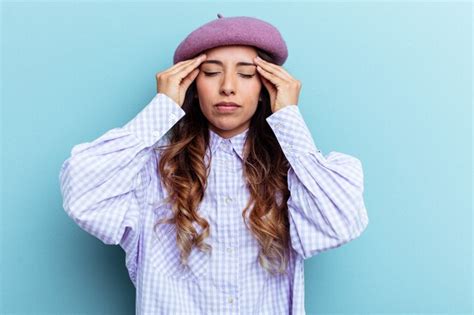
(238, 30)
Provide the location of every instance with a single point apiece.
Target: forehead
(232, 53)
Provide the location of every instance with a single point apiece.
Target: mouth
(227, 104)
(226, 107)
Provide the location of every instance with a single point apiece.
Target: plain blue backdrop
(387, 82)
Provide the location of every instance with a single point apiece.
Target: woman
(217, 206)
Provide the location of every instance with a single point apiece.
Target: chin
(226, 127)
(227, 123)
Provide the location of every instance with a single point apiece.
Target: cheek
(198, 81)
(256, 84)
(202, 85)
(254, 89)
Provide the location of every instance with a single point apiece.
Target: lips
(227, 107)
(227, 104)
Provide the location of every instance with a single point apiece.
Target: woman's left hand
(283, 89)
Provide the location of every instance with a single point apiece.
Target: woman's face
(222, 78)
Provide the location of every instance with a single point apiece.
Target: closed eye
(211, 74)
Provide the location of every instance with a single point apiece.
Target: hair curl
(184, 176)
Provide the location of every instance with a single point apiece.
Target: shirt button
(230, 299)
(156, 133)
(173, 115)
(228, 200)
(229, 249)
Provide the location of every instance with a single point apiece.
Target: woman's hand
(284, 90)
(174, 81)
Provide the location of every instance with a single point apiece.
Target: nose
(228, 84)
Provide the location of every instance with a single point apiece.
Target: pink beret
(238, 30)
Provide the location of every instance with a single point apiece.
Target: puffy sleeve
(104, 182)
(326, 205)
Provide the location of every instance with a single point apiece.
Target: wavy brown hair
(184, 175)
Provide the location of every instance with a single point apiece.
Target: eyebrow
(218, 62)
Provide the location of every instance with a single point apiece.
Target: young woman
(216, 190)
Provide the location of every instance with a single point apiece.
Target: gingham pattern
(111, 189)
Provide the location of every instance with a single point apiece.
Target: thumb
(189, 79)
(267, 84)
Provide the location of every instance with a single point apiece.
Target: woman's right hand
(175, 81)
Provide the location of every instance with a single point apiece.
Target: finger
(183, 64)
(277, 81)
(268, 85)
(177, 66)
(186, 68)
(189, 79)
(273, 68)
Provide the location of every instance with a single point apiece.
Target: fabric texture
(111, 189)
(237, 30)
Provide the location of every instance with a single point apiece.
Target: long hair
(184, 175)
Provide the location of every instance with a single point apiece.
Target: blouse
(111, 189)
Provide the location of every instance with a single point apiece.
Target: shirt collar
(237, 141)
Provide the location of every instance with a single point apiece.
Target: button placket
(228, 200)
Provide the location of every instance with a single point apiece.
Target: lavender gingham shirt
(111, 189)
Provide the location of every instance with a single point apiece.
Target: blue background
(388, 82)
